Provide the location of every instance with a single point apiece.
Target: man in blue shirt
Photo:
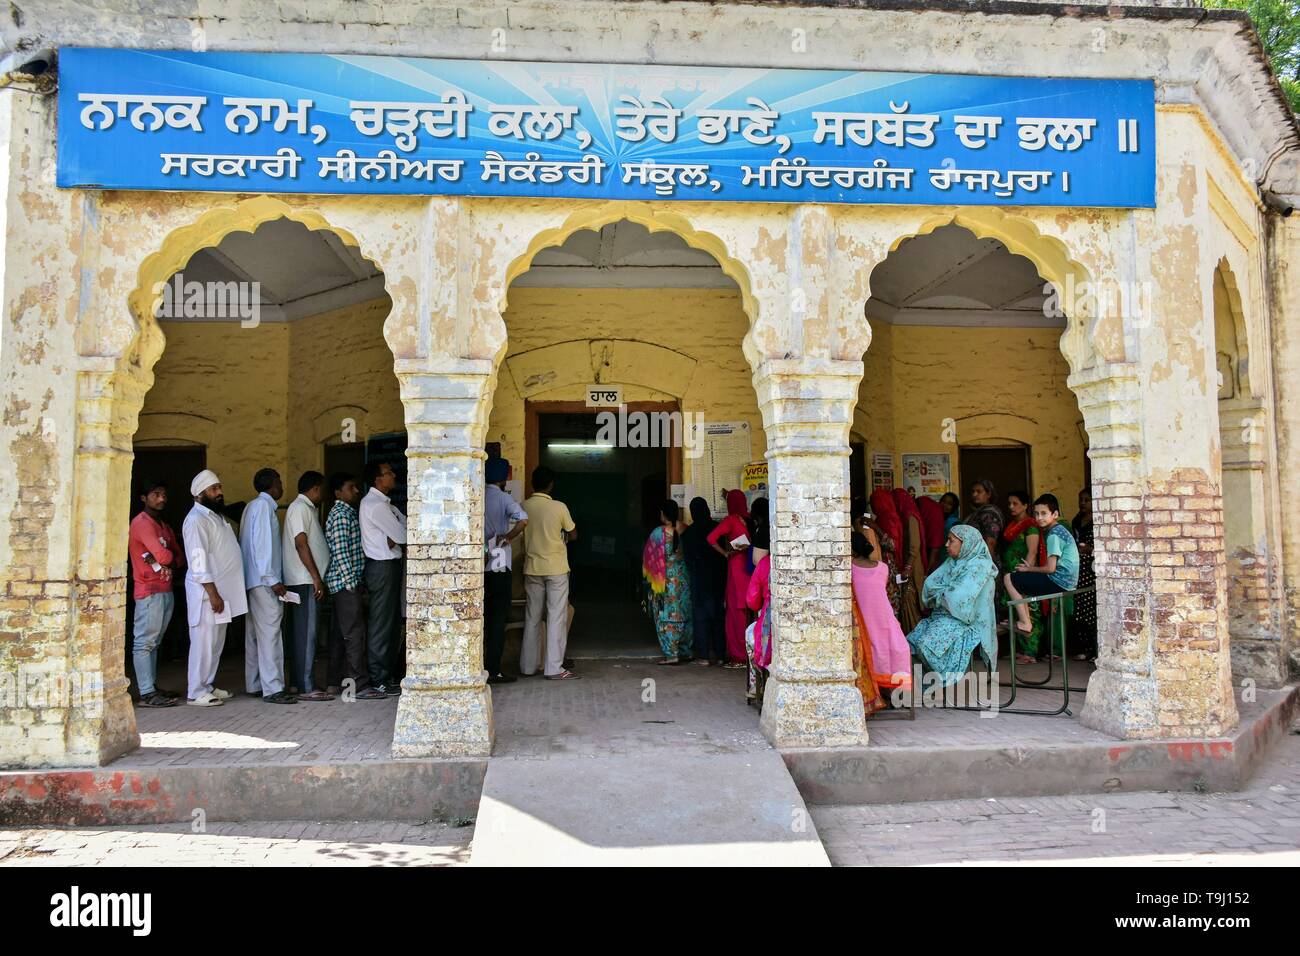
(503, 521)
(1060, 573)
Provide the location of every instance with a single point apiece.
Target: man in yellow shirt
(546, 578)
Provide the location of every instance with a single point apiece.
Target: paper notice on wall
(723, 451)
(515, 488)
(927, 474)
(680, 494)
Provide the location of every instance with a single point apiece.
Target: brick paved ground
(605, 713)
(241, 844)
(1259, 825)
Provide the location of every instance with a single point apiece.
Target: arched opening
(965, 381)
(660, 324)
(1253, 624)
(274, 358)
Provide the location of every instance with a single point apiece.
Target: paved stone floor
(611, 711)
(241, 844)
(1259, 825)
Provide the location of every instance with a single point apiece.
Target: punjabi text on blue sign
(307, 123)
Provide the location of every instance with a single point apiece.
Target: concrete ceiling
(948, 277)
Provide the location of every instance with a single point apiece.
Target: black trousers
(348, 640)
(496, 608)
(383, 578)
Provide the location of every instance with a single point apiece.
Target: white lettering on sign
(604, 396)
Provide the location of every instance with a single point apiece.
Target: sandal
(1026, 659)
(668, 662)
(316, 695)
(563, 675)
(158, 699)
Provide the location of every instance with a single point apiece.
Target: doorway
(614, 494)
(174, 466)
(1008, 467)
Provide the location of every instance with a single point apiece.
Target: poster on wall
(722, 449)
(753, 481)
(927, 474)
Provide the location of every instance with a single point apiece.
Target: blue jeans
(152, 615)
(302, 654)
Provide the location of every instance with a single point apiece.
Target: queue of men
(278, 576)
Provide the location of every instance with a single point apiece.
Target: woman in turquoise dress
(960, 598)
(663, 563)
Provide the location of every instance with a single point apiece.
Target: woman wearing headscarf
(987, 517)
(663, 563)
(730, 528)
(708, 572)
(1019, 542)
(959, 595)
(932, 526)
(912, 557)
(891, 536)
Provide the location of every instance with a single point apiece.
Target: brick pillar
(811, 698)
(1163, 665)
(446, 707)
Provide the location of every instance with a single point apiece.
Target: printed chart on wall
(882, 471)
(927, 474)
(722, 451)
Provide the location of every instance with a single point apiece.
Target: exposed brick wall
(1160, 556)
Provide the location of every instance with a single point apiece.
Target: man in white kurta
(214, 587)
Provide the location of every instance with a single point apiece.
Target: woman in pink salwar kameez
(891, 655)
(737, 619)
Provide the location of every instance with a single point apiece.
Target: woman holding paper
(731, 538)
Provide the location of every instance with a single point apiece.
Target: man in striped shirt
(343, 579)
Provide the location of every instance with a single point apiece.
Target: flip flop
(668, 662)
(316, 695)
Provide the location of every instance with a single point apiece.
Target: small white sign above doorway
(604, 396)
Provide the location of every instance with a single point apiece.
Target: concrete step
(662, 808)
(1006, 765)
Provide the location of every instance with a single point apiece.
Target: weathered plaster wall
(704, 326)
(999, 385)
(254, 395)
(340, 365)
(1284, 273)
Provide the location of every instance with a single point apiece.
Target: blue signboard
(308, 123)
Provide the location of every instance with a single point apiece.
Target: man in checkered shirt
(343, 579)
